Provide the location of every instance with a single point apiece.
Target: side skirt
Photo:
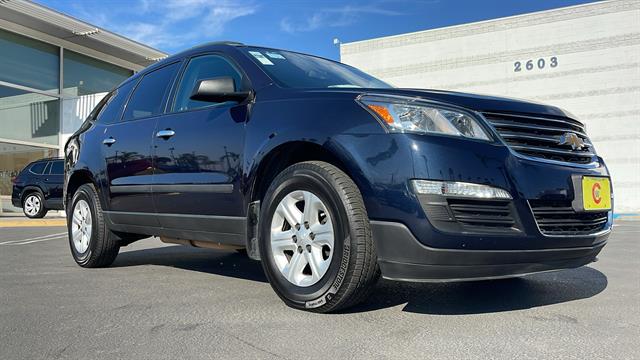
(230, 230)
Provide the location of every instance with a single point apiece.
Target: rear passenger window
(57, 168)
(111, 111)
(199, 68)
(149, 96)
(38, 168)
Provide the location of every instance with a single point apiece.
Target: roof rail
(49, 158)
(211, 43)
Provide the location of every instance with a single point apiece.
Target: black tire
(353, 270)
(42, 211)
(103, 244)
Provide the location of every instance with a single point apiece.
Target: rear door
(127, 145)
(53, 180)
(198, 167)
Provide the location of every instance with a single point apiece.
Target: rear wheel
(315, 241)
(91, 242)
(33, 205)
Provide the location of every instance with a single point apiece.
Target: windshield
(294, 70)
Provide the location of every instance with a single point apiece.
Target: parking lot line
(34, 239)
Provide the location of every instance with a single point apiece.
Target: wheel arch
(28, 190)
(284, 155)
(77, 179)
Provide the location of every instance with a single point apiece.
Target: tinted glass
(85, 75)
(38, 168)
(29, 62)
(149, 96)
(199, 68)
(57, 168)
(28, 116)
(111, 110)
(295, 70)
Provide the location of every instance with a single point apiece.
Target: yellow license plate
(596, 193)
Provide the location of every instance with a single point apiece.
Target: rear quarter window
(56, 168)
(112, 109)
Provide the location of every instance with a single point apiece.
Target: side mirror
(218, 89)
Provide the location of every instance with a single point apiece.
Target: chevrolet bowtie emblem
(573, 140)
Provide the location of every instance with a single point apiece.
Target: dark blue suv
(331, 177)
(38, 187)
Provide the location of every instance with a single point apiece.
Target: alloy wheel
(81, 226)
(32, 205)
(302, 238)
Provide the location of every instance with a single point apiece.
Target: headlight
(410, 115)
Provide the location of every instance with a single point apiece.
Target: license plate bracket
(592, 193)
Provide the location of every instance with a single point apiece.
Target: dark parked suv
(331, 177)
(38, 187)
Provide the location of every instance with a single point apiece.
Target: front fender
(378, 162)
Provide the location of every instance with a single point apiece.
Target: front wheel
(315, 240)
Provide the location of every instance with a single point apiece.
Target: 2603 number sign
(532, 64)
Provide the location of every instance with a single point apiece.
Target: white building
(585, 59)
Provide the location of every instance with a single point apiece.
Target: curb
(32, 222)
(630, 216)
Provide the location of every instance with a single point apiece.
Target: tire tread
(106, 246)
(363, 270)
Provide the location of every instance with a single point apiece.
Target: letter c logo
(595, 193)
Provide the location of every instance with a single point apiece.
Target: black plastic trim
(402, 257)
(169, 188)
(222, 229)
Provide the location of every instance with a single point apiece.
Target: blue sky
(307, 26)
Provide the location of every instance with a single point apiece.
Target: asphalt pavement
(162, 301)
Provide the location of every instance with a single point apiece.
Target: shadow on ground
(225, 263)
(459, 298)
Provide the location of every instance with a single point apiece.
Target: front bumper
(402, 257)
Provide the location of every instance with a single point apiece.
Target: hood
(480, 103)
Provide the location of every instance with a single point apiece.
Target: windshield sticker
(275, 56)
(263, 59)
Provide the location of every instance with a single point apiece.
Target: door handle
(109, 141)
(165, 134)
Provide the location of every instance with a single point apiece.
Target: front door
(198, 155)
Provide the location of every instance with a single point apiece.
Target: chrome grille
(540, 137)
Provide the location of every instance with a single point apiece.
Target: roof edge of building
(49, 21)
(482, 22)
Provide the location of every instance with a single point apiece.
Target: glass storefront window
(14, 158)
(84, 75)
(28, 116)
(29, 62)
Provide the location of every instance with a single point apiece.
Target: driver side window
(199, 68)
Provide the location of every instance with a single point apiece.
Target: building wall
(585, 59)
(46, 92)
